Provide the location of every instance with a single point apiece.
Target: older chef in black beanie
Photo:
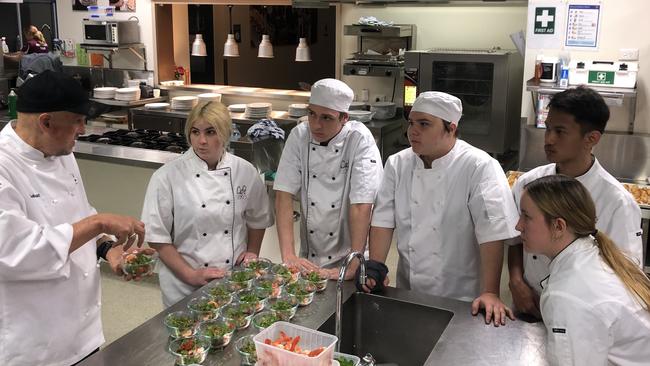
(451, 207)
(50, 236)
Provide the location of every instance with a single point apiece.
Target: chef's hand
(303, 264)
(524, 298)
(245, 257)
(495, 310)
(201, 276)
(127, 230)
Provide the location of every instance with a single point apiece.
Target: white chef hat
(331, 93)
(438, 104)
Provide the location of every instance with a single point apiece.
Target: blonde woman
(596, 301)
(205, 211)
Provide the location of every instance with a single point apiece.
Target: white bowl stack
(135, 82)
(184, 102)
(258, 110)
(237, 108)
(297, 110)
(107, 92)
(209, 97)
(127, 94)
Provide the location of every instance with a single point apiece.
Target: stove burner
(143, 139)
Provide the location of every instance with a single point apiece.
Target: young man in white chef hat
(334, 167)
(451, 207)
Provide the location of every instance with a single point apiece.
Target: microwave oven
(487, 81)
(111, 32)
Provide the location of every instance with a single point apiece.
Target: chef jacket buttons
(198, 175)
(227, 261)
(337, 150)
(203, 205)
(226, 232)
(313, 255)
(205, 264)
(226, 173)
(311, 231)
(333, 178)
(227, 202)
(331, 234)
(313, 204)
(205, 234)
(313, 176)
(313, 149)
(534, 257)
(332, 206)
(329, 257)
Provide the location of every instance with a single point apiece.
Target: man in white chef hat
(334, 167)
(451, 207)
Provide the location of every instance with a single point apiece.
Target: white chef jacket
(441, 215)
(204, 213)
(329, 179)
(49, 299)
(590, 316)
(618, 215)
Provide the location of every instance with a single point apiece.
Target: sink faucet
(339, 289)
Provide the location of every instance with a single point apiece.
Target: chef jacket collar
(561, 259)
(440, 163)
(336, 141)
(590, 174)
(23, 148)
(202, 165)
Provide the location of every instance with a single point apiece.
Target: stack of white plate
(237, 108)
(127, 94)
(135, 82)
(258, 110)
(297, 110)
(209, 97)
(104, 92)
(184, 102)
(156, 105)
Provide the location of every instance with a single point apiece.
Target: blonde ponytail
(632, 276)
(559, 196)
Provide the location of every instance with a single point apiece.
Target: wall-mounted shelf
(613, 96)
(107, 52)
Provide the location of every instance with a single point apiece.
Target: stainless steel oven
(488, 82)
(111, 32)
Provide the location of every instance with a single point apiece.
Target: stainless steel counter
(466, 341)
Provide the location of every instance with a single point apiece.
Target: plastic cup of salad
(240, 279)
(239, 314)
(264, 320)
(245, 346)
(218, 289)
(289, 274)
(302, 290)
(317, 279)
(219, 331)
(271, 283)
(204, 308)
(180, 324)
(260, 266)
(137, 264)
(284, 307)
(189, 351)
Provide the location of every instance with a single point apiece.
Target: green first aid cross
(544, 21)
(601, 77)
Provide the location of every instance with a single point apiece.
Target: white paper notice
(583, 25)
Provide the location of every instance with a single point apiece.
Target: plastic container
(240, 279)
(354, 359)
(204, 308)
(245, 346)
(284, 307)
(180, 324)
(137, 264)
(218, 331)
(303, 291)
(269, 282)
(264, 320)
(199, 345)
(261, 266)
(309, 339)
(383, 110)
(317, 279)
(239, 314)
(361, 116)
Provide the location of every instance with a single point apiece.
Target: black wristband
(103, 248)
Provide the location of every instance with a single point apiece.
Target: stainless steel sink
(393, 331)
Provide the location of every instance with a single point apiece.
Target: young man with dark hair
(576, 121)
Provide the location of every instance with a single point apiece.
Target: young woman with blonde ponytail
(596, 302)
